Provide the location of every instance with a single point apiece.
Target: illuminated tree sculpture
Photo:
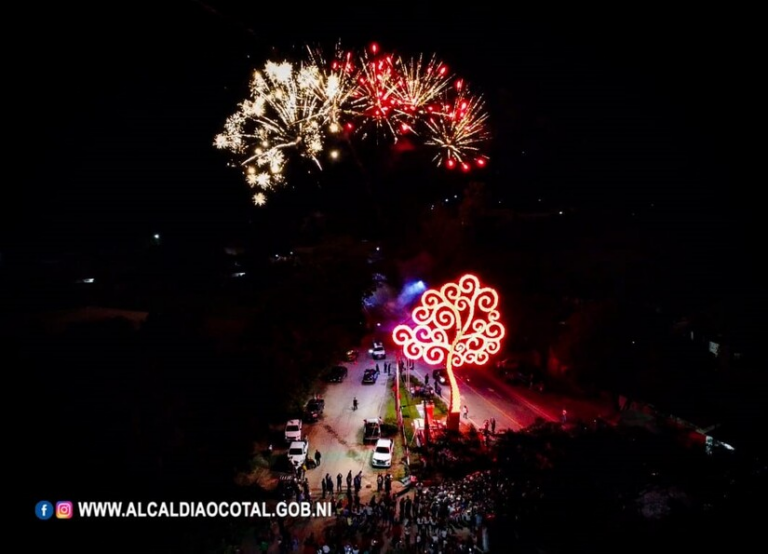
(456, 325)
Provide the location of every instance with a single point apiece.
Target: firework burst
(295, 108)
(458, 130)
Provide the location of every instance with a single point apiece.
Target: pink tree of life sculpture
(456, 325)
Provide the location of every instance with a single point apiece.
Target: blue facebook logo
(44, 509)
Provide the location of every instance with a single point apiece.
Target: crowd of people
(445, 518)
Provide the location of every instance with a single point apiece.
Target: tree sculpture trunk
(454, 409)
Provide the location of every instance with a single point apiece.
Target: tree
(450, 327)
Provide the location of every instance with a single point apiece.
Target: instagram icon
(64, 510)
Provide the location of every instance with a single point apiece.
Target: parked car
(378, 352)
(370, 376)
(382, 453)
(423, 392)
(314, 410)
(293, 430)
(440, 376)
(520, 375)
(336, 374)
(371, 429)
(352, 355)
(297, 452)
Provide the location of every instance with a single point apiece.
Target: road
(486, 397)
(339, 436)
(514, 407)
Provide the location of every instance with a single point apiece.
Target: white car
(377, 352)
(382, 453)
(297, 452)
(293, 430)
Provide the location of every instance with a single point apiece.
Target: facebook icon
(44, 509)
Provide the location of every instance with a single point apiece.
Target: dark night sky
(122, 104)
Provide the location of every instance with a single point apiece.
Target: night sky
(616, 109)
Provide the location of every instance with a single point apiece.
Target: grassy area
(390, 421)
(408, 405)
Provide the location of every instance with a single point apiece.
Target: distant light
(334, 154)
(560, 212)
(377, 249)
(157, 237)
(378, 325)
(87, 280)
(239, 274)
(539, 199)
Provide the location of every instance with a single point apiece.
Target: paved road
(486, 396)
(339, 437)
(339, 434)
(514, 407)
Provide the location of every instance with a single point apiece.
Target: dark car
(371, 429)
(527, 377)
(423, 392)
(370, 376)
(314, 410)
(336, 374)
(440, 376)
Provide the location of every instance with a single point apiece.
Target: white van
(292, 430)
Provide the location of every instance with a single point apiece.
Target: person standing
(339, 477)
(324, 485)
(349, 480)
(466, 411)
(379, 482)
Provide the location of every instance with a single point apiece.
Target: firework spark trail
(421, 84)
(459, 131)
(296, 107)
